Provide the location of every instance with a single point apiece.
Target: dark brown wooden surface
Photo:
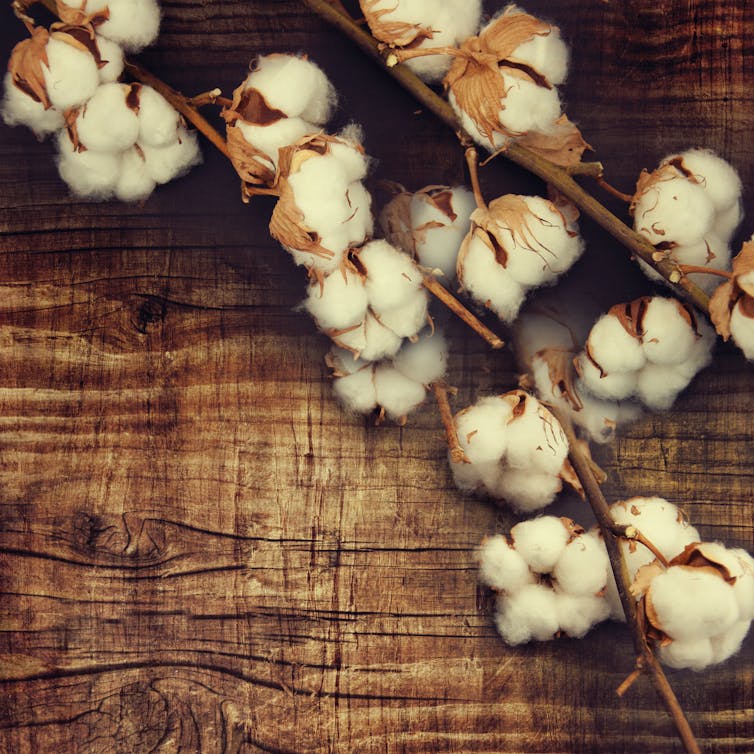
(201, 552)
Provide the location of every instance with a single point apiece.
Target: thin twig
(541, 167)
(646, 661)
(446, 297)
(472, 161)
(454, 446)
(632, 533)
(590, 169)
(602, 183)
(690, 269)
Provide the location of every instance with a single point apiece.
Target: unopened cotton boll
(339, 301)
(18, 108)
(133, 24)
(166, 163)
(134, 182)
(530, 613)
(425, 360)
(89, 174)
(397, 394)
(501, 566)
(541, 542)
(107, 123)
(71, 74)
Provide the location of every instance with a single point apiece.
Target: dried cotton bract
(516, 244)
(423, 24)
(515, 451)
(650, 348)
(689, 207)
(430, 224)
(549, 576)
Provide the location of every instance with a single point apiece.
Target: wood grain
(201, 552)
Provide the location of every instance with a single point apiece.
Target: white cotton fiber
(499, 139)
(71, 75)
(729, 642)
(578, 614)
(530, 613)
(396, 393)
(158, 120)
(582, 568)
(541, 542)
(356, 391)
(407, 320)
(134, 182)
(609, 385)
(111, 54)
(271, 138)
(19, 109)
(536, 441)
(528, 106)
(501, 566)
(719, 179)
(392, 276)
(106, 123)
(658, 385)
(711, 252)
(293, 85)
(546, 54)
(482, 429)
(691, 653)
(674, 210)
(166, 163)
(742, 330)
(488, 282)
(525, 491)
(613, 347)
(668, 336)
(424, 361)
(339, 302)
(373, 341)
(88, 174)
(133, 24)
(726, 222)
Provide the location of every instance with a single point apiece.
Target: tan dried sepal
(393, 33)
(631, 316)
(25, 66)
(252, 165)
(79, 16)
(574, 530)
(734, 292)
(82, 38)
(250, 106)
(563, 146)
(666, 172)
(710, 556)
(644, 578)
(562, 373)
(510, 30)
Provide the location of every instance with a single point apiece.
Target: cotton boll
(658, 386)
(726, 644)
(694, 653)
(396, 393)
(424, 361)
(527, 106)
(668, 336)
(501, 566)
(742, 330)
(488, 282)
(392, 277)
(106, 123)
(158, 120)
(582, 568)
(71, 75)
(743, 588)
(133, 24)
(530, 613)
(407, 320)
(294, 86)
(379, 341)
(339, 302)
(690, 603)
(577, 614)
(166, 163)
(360, 224)
(525, 491)
(357, 391)
(482, 429)
(546, 54)
(726, 222)
(613, 348)
(271, 138)
(475, 477)
(609, 385)
(719, 179)
(89, 174)
(112, 55)
(19, 109)
(541, 542)
(535, 439)
(674, 209)
(134, 183)
(349, 155)
(711, 252)
(499, 139)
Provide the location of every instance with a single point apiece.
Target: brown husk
(79, 16)
(564, 146)
(734, 292)
(25, 66)
(393, 33)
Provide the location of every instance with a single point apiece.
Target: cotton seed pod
(515, 451)
(732, 303)
(423, 25)
(430, 224)
(528, 239)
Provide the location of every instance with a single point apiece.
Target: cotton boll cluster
(549, 577)
(430, 224)
(516, 244)
(393, 387)
(515, 451)
(123, 142)
(372, 303)
(503, 85)
(650, 348)
(283, 99)
(132, 24)
(324, 210)
(732, 304)
(423, 25)
(689, 207)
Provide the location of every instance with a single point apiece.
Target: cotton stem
(472, 161)
(446, 297)
(549, 172)
(647, 662)
(446, 415)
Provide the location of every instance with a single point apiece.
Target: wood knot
(150, 312)
(130, 538)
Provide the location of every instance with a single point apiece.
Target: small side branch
(446, 415)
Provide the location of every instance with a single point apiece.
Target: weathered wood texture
(201, 552)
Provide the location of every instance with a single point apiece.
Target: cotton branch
(560, 178)
(646, 661)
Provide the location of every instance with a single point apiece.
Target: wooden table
(202, 552)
